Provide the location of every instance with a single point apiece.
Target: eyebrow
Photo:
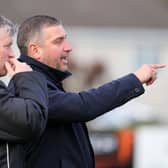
(62, 36)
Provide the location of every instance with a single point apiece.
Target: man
(65, 142)
(23, 105)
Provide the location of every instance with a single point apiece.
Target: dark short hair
(31, 27)
(7, 25)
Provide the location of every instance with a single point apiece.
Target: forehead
(4, 34)
(54, 31)
(5, 37)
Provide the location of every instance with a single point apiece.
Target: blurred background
(111, 38)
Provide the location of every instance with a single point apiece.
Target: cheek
(2, 63)
(57, 61)
(4, 53)
(55, 56)
(1, 53)
(52, 56)
(3, 56)
(52, 60)
(2, 66)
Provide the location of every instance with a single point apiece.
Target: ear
(34, 51)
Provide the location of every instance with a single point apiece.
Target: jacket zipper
(7, 155)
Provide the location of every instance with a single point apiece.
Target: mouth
(64, 59)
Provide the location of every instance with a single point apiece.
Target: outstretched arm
(87, 105)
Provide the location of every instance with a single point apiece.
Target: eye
(8, 45)
(59, 40)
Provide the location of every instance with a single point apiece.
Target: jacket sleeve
(23, 114)
(87, 105)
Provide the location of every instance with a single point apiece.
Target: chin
(64, 69)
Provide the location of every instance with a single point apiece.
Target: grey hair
(31, 28)
(7, 25)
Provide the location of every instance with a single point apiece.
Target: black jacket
(65, 142)
(23, 116)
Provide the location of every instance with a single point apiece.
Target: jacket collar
(53, 74)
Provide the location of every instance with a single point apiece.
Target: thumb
(9, 69)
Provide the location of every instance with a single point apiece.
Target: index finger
(157, 66)
(9, 68)
(13, 61)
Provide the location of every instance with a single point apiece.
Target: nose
(67, 46)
